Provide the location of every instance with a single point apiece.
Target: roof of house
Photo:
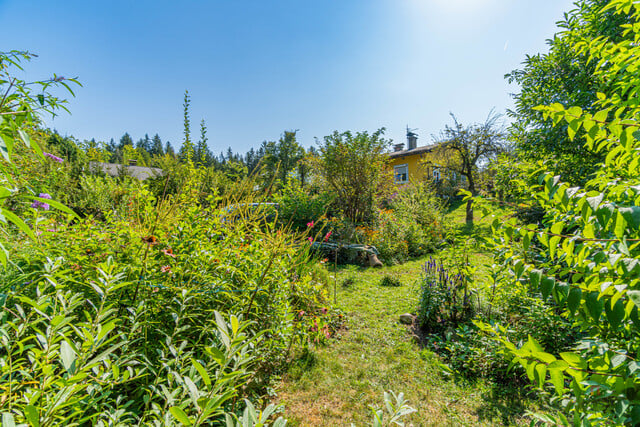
(417, 150)
(116, 169)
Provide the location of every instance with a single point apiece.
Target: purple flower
(37, 204)
(54, 158)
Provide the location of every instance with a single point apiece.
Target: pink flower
(326, 237)
(169, 252)
(323, 310)
(310, 239)
(310, 224)
(165, 269)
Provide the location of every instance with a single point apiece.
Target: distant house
(412, 163)
(419, 164)
(132, 170)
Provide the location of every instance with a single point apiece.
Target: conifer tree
(156, 146)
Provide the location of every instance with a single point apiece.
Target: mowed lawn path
(336, 385)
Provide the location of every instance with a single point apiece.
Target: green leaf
(203, 372)
(31, 413)
(546, 286)
(574, 360)
(631, 215)
(594, 305)
(68, 356)
(574, 298)
(180, 415)
(18, 222)
(557, 379)
(621, 226)
(615, 315)
(635, 297)
(604, 214)
(540, 374)
(534, 277)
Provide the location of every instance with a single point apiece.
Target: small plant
(391, 281)
(396, 409)
(446, 298)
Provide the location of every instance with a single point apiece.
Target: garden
(240, 290)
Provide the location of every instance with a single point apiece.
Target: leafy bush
(412, 226)
(585, 253)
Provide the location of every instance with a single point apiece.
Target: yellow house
(413, 163)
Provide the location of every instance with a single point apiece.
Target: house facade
(413, 163)
(420, 164)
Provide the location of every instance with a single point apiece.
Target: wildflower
(51, 230)
(301, 313)
(310, 224)
(165, 269)
(150, 240)
(169, 252)
(323, 310)
(54, 158)
(326, 237)
(37, 204)
(310, 239)
(324, 260)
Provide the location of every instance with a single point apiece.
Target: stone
(406, 318)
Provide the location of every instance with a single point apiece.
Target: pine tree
(125, 140)
(168, 149)
(156, 146)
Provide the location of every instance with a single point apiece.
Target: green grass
(337, 384)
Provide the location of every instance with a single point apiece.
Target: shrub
(388, 280)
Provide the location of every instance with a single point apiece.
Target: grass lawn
(337, 384)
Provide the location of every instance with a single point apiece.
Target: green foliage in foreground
(585, 255)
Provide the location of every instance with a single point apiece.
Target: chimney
(412, 139)
(398, 147)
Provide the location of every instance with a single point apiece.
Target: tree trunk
(472, 189)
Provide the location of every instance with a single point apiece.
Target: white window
(436, 175)
(401, 173)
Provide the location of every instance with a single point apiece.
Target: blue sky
(255, 68)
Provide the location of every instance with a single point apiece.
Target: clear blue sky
(255, 68)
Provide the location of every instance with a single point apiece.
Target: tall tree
(463, 149)
(168, 149)
(563, 75)
(156, 146)
(125, 140)
(353, 166)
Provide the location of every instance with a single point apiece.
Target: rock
(406, 318)
(373, 260)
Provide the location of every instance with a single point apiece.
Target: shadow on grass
(302, 363)
(508, 400)
(505, 402)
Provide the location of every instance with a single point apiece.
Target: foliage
(463, 149)
(567, 76)
(299, 206)
(353, 167)
(413, 224)
(20, 108)
(388, 280)
(396, 409)
(446, 298)
(585, 254)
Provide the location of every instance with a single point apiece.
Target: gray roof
(116, 169)
(418, 150)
